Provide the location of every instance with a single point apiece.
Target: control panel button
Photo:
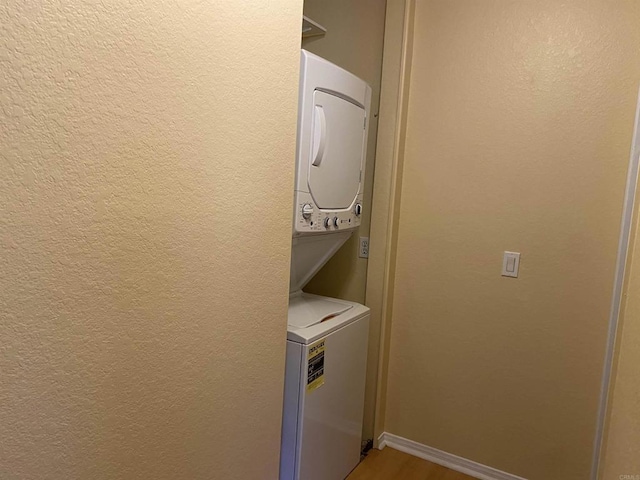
(327, 222)
(307, 211)
(358, 209)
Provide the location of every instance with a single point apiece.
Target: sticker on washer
(315, 366)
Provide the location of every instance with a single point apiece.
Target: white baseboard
(453, 462)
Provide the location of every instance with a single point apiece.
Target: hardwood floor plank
(390, 464)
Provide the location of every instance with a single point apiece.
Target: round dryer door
(336, 151)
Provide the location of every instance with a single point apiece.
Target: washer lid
(307, 311)
(310, 253)
(337, 151)
(353, 312)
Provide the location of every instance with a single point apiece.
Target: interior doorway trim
(396, 69)
(616, 300)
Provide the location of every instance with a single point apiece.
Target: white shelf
(311, 28)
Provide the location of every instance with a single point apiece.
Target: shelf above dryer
(311, 28)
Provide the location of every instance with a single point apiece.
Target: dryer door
(336, 151)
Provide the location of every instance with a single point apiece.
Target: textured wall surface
(143, 291)
(519, 129)
(621, 456)
(621, 449)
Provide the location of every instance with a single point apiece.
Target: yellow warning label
(315, 366)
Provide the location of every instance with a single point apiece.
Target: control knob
(358, 209)
(335, 222)
(327, 222)
(307, 211)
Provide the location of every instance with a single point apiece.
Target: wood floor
(390, 464)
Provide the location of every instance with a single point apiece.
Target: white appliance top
(310, 253)
(306, 311)
(312, 317)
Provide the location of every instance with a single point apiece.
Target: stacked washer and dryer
(327, 338)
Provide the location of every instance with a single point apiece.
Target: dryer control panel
(308, 218)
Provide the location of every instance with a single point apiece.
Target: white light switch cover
(510, 264)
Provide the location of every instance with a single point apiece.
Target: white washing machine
(327, 338)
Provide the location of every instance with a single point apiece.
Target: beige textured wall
(143, 293)
(620, 454)
(354, 41)
(518, 136)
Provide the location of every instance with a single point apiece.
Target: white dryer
(327, 338)
(333, 118)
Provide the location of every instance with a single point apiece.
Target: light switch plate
(510, 264)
